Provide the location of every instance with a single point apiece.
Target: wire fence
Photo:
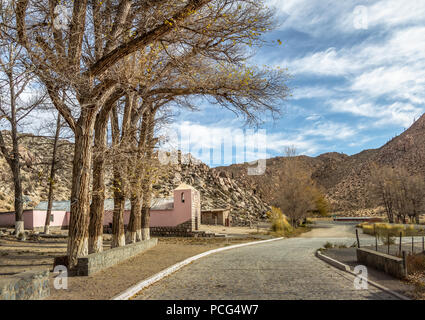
(395, 245)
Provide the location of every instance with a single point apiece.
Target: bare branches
(399, 192)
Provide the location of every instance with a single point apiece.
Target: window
(51, 218)
(182, 196)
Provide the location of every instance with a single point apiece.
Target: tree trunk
(145, 219)
(19, 209)
(98, 194)
(138, 170)
(147, 179)
(134, 222)
(80, 201)
(52, 176)
(13, 160)
(118, 237)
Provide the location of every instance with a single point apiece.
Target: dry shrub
(387, 231)
(415, 263)
(279, 222)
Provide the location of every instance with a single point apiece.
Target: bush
(328, 245)
(415, 263)
(279, 222)
(322, 205)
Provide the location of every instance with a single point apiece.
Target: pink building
(183, 210)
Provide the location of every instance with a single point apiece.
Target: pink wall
(109, 215)
(7, 219)
(181, 212)
(38, 218)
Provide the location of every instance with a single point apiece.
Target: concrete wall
(215, 217)
(196, 209)
(30, 285)
(389, 264)
(96, 262)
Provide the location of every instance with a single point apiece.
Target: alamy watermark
(360, 281)
(62, 17)
(61, 280)
(361, 18)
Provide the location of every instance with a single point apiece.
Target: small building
(179, 214)
(216, 217)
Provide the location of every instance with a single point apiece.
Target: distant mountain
(343, 178)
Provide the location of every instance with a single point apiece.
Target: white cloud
(340, 16)
(307, 92)
(397, 113)
(392, 71)
(216, 144)
(330, 131)
(326, 63)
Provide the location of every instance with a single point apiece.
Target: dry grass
(416, 274)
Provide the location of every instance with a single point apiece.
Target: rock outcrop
(217, 187)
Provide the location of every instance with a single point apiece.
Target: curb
(333, 262)
(130, 292)
(347, 269)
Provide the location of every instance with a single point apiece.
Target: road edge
(343, 267)
(130, 292)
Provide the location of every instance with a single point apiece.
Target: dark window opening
(182, 196)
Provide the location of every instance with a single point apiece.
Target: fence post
(376, 242)
(399, 245)
(405, 262)
(357, 236)
(388, 243)
(413, 249)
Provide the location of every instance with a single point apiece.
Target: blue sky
(358, 79)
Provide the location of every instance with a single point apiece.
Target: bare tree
(400, 192)
(52, 175)
(100, 34)
(85, 57)
(297, 197)
(15, 81)
(382, 186)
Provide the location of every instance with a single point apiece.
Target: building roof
(215, 210)
(184, 186)
(156, 204)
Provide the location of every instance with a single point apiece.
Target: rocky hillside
(36, 157)
(217, 188)
(343, 178)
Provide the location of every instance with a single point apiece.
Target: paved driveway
(284, 269)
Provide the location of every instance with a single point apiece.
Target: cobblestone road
(284, 269)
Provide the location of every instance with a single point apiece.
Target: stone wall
(30, 285)
(184, 229)
(389, 264)
(96, 262)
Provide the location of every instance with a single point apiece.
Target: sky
(357, 78)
